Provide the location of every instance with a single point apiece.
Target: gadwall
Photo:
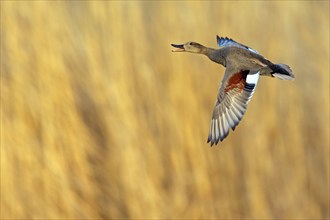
(243, 68)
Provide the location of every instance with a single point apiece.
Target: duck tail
(282, 71)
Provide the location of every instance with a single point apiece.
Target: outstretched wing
(225, 41)
(234, 94)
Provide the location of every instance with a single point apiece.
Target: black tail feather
(282, 71)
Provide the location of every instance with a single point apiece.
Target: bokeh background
(99, 119)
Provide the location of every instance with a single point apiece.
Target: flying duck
(243, 65)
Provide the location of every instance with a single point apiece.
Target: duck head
(191, 47)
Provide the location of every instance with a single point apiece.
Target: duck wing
(236, 90)
(225, 41)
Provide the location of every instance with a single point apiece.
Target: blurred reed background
(101, 120)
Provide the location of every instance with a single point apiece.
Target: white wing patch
(252, 78)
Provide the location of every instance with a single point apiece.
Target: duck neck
(215, 55)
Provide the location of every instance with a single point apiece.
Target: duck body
(243, 68)
(241, 58)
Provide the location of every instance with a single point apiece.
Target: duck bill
(179, 47)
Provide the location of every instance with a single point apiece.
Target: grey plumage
(243, 68)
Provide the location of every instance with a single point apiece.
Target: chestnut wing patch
(236, 81)
(234, 95)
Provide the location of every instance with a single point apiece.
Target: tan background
(101, 120)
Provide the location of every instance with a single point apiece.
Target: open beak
(179, 46)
